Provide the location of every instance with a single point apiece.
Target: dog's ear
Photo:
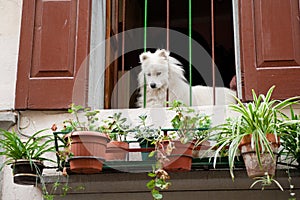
(163, 53)
(144, 56)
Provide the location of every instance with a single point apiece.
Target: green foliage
(265, 181)
(159, 177)
(77, 124)
(290, 135)
(228, 137)
(190, 125)
(257, 118)
(13, 148)
(34, 148)
(143, 132)
(116, 127)
(64, 188)
(158, 182)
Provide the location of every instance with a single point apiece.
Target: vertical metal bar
(145, 25)
(122, 89)
(107, 100)
(145, 48)
(115, 14)
(116, 27)
(168, 41)
(123, 34)
(190, 50)
(57, 150)
(168, 25)
(213, 51)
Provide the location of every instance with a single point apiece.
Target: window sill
(7, 119)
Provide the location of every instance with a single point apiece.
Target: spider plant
(13, 148)
(256, 119)
(266, 180)
(290, 138)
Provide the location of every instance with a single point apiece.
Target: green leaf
(151, 174)
(151, 184)
(151, 154)
(157, 196)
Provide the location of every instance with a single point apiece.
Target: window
(55, 40)
(168, 28)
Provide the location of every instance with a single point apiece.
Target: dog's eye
(158, 73)
(149, 74)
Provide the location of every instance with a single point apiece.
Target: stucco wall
(10, 12)
(10, 20)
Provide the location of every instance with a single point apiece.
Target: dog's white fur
(163, 72)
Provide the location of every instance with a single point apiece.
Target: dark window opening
(130, 15)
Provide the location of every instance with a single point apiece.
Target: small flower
(54, 127)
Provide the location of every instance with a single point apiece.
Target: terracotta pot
(25, 173)
(250, 157)
(116, 150)
(88, 149)
(180, 158)
(203, 146)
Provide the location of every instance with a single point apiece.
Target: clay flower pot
(202, 147)
(116, 150)
(88, 149)
(180, 158)
(268, 164)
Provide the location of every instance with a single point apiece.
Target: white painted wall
(10, 20)
(10, 12)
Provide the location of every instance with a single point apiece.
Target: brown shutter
(270, 46)
(54, 43)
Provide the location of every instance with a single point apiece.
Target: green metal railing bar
(145, 48)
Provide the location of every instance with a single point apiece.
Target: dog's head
(155, 68)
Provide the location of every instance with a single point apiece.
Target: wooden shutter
(54, 43)
(270, 47)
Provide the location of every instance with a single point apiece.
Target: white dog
(164, 79)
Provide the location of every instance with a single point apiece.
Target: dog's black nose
(152, 85)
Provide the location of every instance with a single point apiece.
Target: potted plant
(174, 147)
(266, 180)
(254, 134)
(290, 139)
(190, 130)
(203, 123)
(85, 143)
(26, 157)
(145, 135)
(117, 129)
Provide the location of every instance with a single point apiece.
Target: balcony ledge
(212, 183)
